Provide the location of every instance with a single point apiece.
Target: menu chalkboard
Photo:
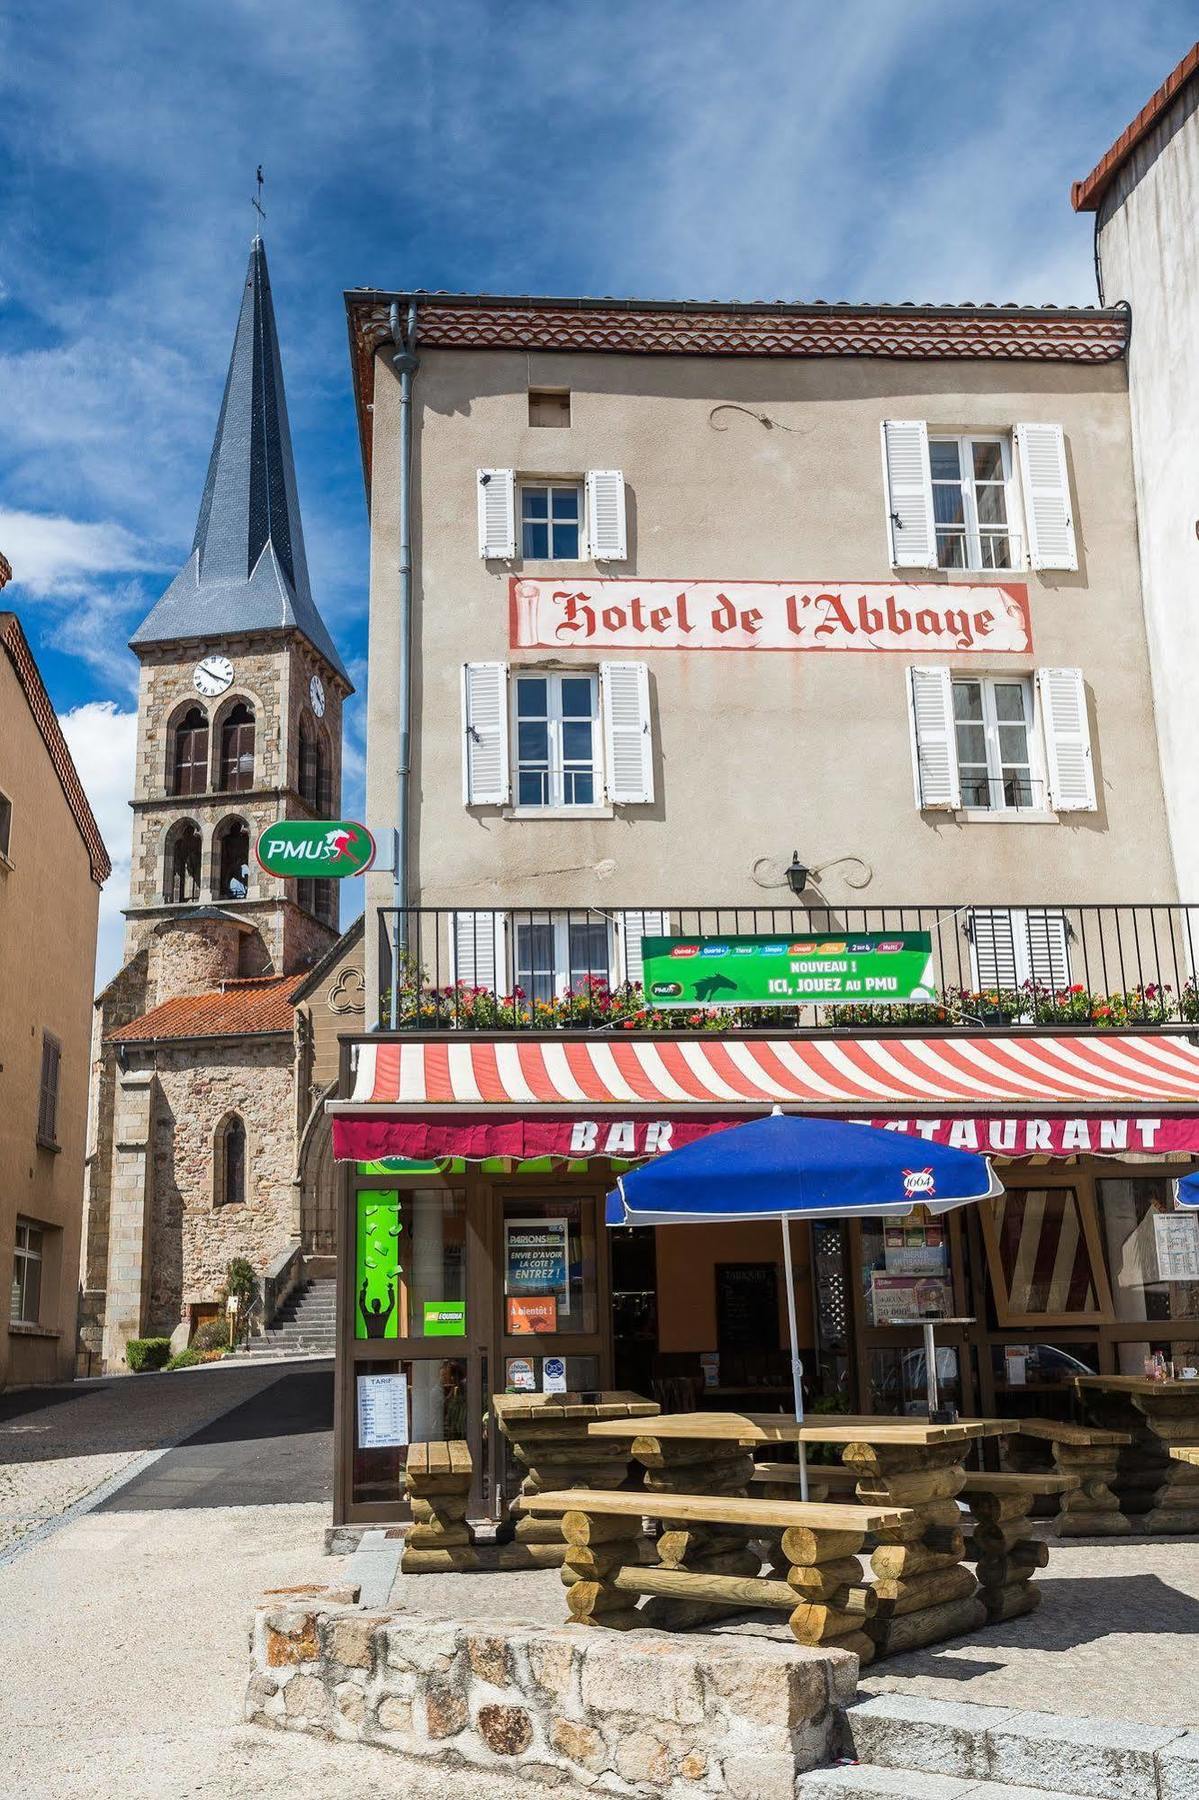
(747, 1307)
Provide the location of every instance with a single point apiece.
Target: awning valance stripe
(960, 1070)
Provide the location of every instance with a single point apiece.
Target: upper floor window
(993, 735)
(1001, 744)
(190, 768)
(5, 825)
(47, 1108)
(556, 749)
(237, 749)
(27, 1274)
(978, 500)
(550, 520)
(970, 482)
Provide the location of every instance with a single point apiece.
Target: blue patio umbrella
(788, 1166)
(1186, 1191)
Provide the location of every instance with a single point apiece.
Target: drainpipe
(405, 361)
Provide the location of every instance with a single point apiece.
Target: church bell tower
(241, 692)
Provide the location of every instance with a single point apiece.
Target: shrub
(142, 1354)
(189, 1358)
(211, 1334)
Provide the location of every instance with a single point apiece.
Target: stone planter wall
(575, 1710)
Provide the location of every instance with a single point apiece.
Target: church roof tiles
(260, 1007)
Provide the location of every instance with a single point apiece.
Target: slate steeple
(247, 570)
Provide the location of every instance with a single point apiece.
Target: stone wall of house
(518, 1706)
(193, 1237)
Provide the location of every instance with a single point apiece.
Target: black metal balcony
(1036, 966)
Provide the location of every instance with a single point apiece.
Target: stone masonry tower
(241, 691)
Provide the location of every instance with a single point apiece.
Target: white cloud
(102, 739)
(54, 557)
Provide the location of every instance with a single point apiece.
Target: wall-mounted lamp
(797, 874)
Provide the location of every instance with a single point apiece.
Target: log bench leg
(554, 1454)
(834, 1602)
(924, 1591)
(1005, 1556)
(440, 1538)
(1092, 1509)
(689, 1466)
(595, 1548)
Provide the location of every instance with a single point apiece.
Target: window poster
(1177, 1243)
(553, 1375)
(536, 1264)
(378, 1267)
(382, 1411)
(532, 1313)
(906, 1299)
(520, 1377)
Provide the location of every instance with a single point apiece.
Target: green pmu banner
(377, 1266)
(863, 968)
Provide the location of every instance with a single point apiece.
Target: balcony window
(559, 956)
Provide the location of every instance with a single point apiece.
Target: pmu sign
(315, 848)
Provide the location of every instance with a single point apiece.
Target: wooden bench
(824, 1591)
(1185, 1453)
(437, 1480)
(779, 1481)
(1005, 1556)
(1089, 1453)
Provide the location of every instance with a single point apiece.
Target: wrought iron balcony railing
(1094, 967)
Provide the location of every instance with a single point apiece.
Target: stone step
(1093, 1759)
(864, 1781)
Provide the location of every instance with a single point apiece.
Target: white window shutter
(1045, 481)
(631, 928)
(485, 780)
(605, 515)
(477, 951)
(497, 513)
(934, 744)
(993, 948)
(628, 740)
(1013, 945)
(1046, 947)
(911, 532)
(1067, 740)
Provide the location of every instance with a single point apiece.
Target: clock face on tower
(212, 676)
(316, 693)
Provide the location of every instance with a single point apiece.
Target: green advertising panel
(445, 1318)
(315, 847)
(859, 969)
(377, 1268)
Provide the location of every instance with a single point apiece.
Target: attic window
(549, 406)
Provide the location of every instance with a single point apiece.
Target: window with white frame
(556, 955)
(970, 477)
(27, 1274)
(993, 735)
(555, 719)
(551, 518)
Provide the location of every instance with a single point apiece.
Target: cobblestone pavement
(58, 1445)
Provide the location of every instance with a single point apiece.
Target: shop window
(190, 762)
(549, 1267)
(1153, 1255)
(181, 882)
(47, 1110)
(1045, 1258)
(25, 1306)
(410, 1274)
(229, 1161)
(237, 750)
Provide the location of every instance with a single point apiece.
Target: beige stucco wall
(1146, 238)
(756, 754)
(48, 912)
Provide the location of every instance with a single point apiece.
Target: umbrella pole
(796, 1364)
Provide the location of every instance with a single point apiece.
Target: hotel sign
(924, 618)
(863, 968)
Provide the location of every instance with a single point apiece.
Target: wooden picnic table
(1091, 1454)
(1158, 1492)
(926, 1593)
(549, 1439)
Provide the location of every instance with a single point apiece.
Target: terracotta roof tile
(729, 328)
(254, 1008)
(21, 657)
(1085, 195)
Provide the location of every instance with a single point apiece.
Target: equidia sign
(315, 849)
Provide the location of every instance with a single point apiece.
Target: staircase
(305, 1325)
(909, 1748)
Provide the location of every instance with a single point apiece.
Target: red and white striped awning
(469, 1096)
(843, 1072)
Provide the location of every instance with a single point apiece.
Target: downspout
(405, 361)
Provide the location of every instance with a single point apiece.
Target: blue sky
(744, 149)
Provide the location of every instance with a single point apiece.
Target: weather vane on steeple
(256, 202)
